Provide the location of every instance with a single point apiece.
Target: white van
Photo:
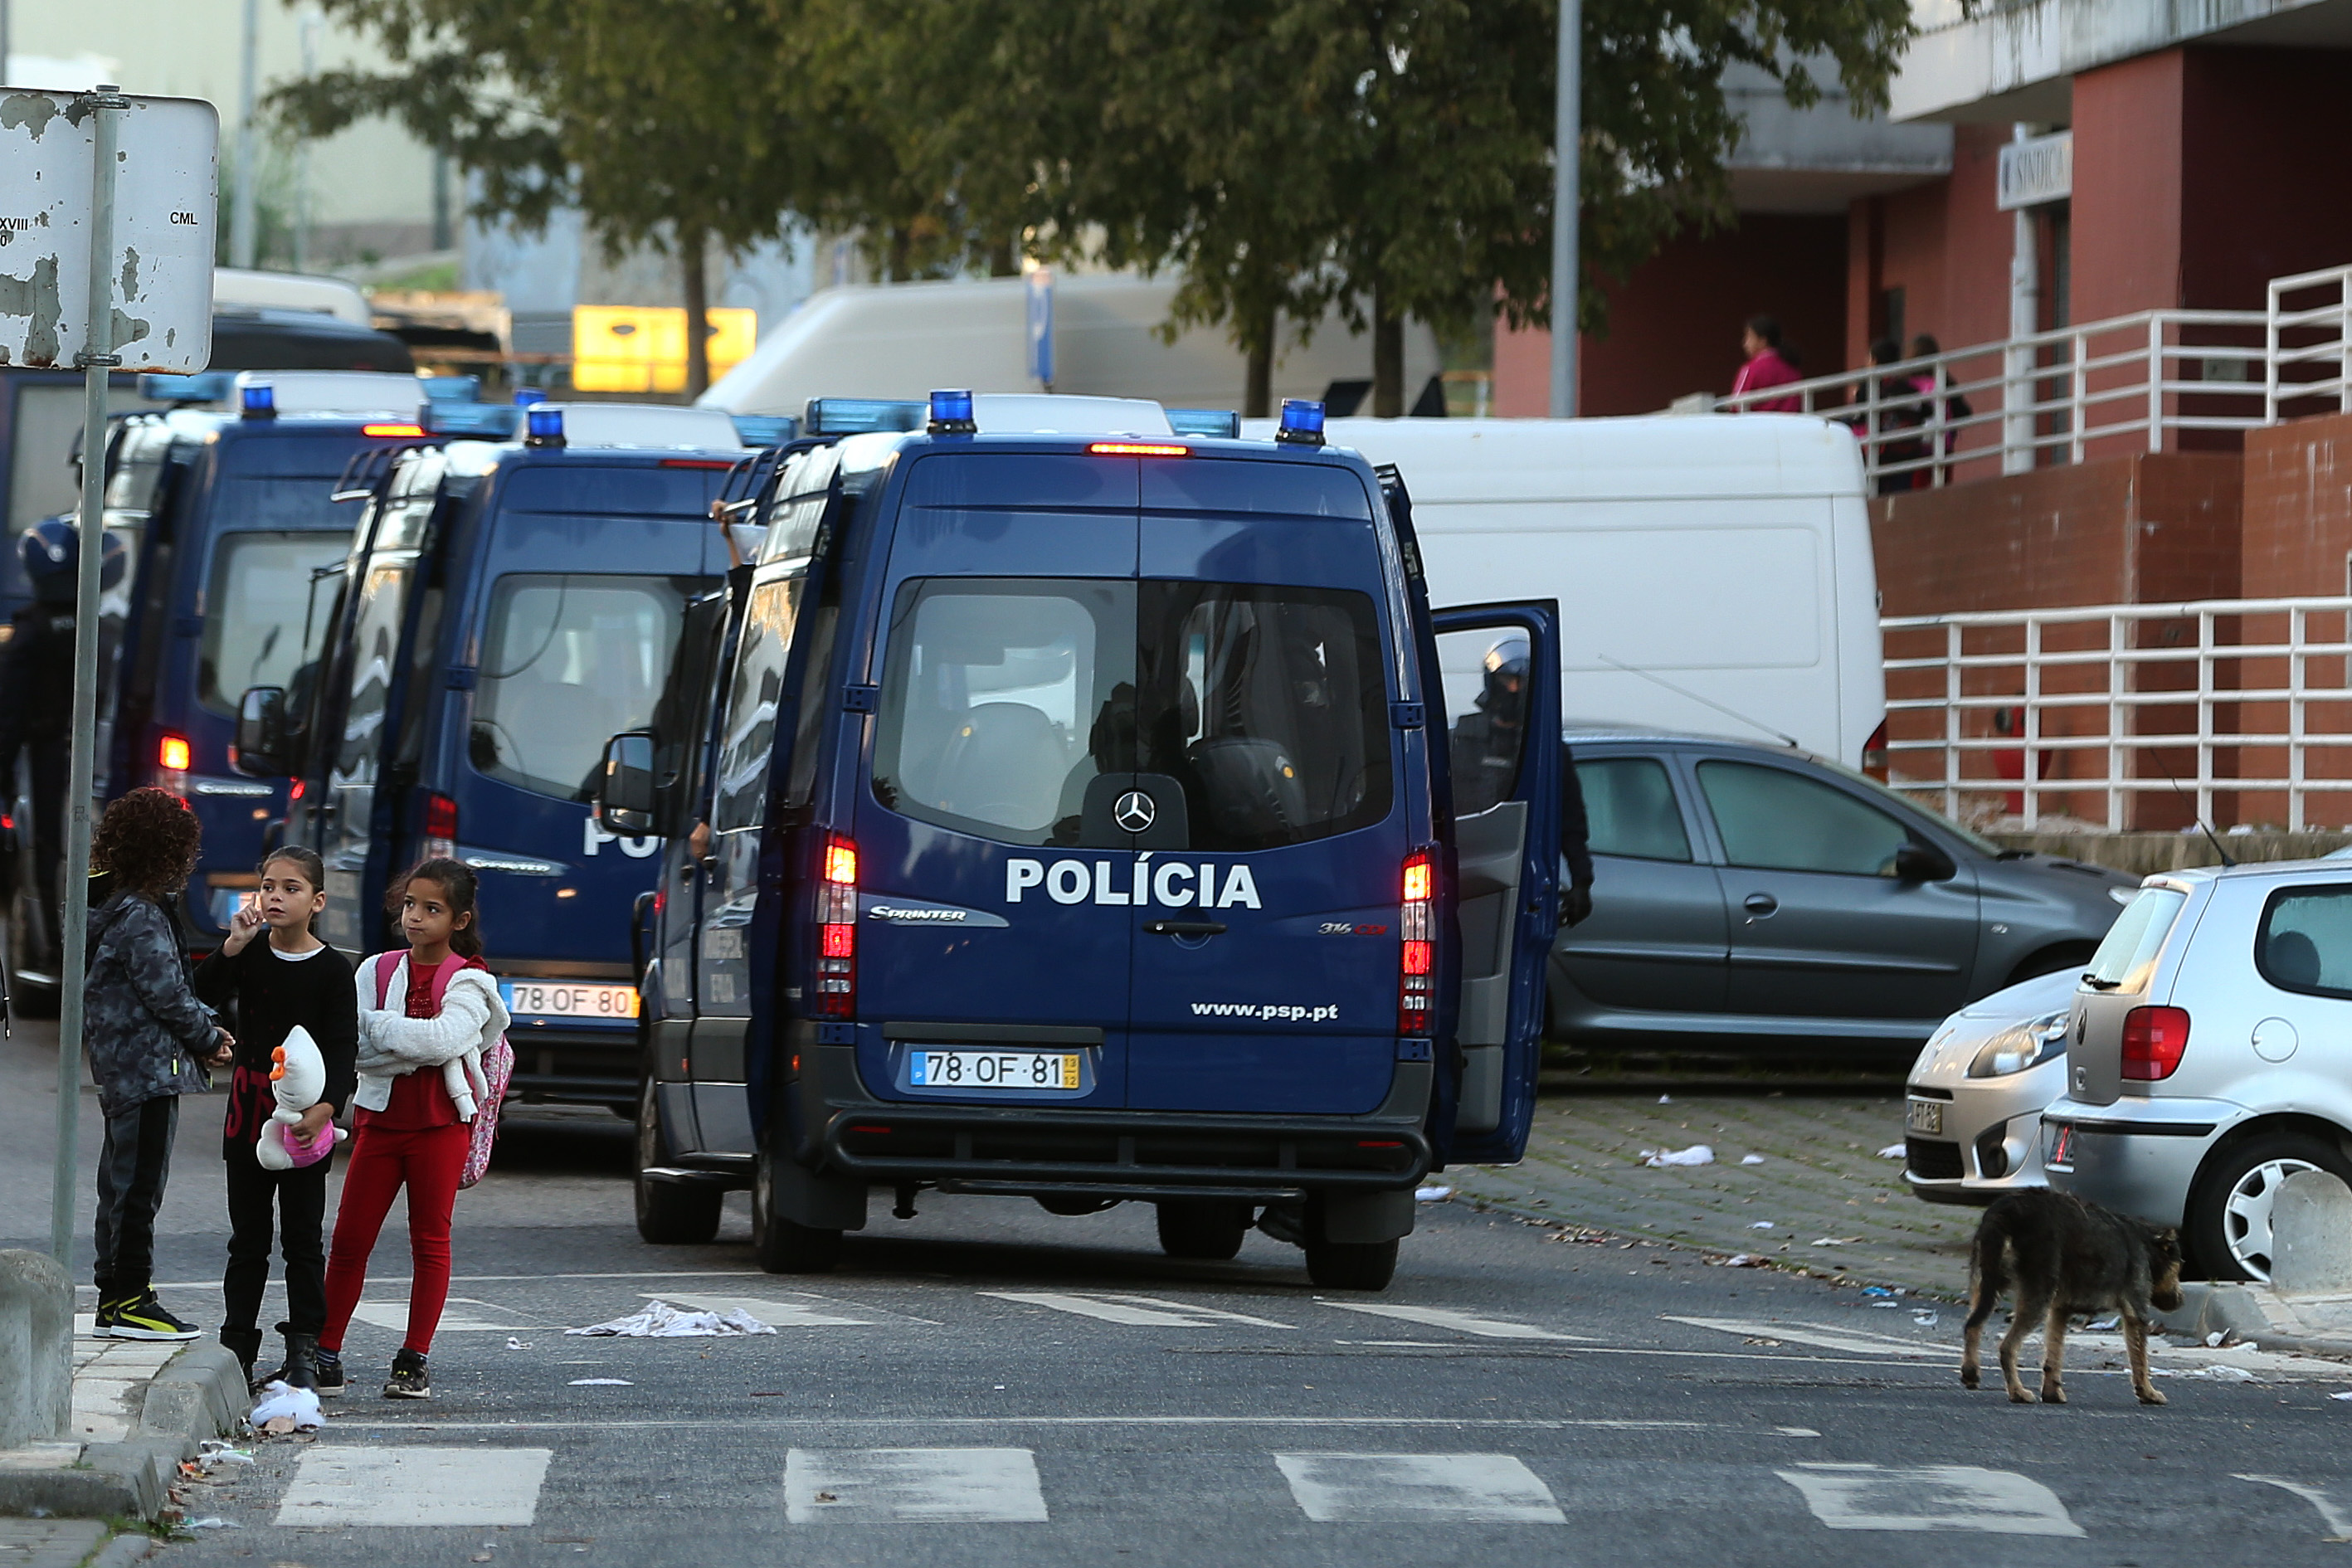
(903, 340)
(1714, 572)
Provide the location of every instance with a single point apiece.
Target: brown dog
(2067, 1255)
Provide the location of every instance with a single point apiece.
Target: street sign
(1041, 326)
(161, 262)
(2036, 172)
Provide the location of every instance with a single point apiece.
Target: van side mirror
(260, 748)
(1917, 862)
(625, 792)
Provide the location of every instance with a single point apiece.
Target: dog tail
(1988, 1264)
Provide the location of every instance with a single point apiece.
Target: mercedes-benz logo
(1135, 812)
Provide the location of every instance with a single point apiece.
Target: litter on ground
(211, 1522)
(660, 1320)
(1922, 1318)
(1696, 1154)
(2345, 1394)
(1893, 1152)
(516, 1345)
(1751, 1158)
(299, 1407)
(1666, 1099)
(1744, 1260)
(1761, 1224)
(1835, 1240)
(1431, 1195)
(602, 1383)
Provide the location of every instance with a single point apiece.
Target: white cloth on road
(299, 1405)
(663, 1322)
(1696, 1154)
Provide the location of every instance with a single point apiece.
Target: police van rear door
(1503, 750)
(995, 892)
(1269, 826)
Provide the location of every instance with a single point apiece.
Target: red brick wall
(2127, 186)
(2265, 184)
(2298, 509)
(1674, 326)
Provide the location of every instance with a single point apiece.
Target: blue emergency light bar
(259, 401)
(486, 421)
(861, 415)
(203, 386)
(951, 414)
(453, 389)
(762, 430)
(526, 395)
(543, 427)
(1222, 422)
(1302, 422)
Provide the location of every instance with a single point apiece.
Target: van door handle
(1186, 928)
(1760, 905)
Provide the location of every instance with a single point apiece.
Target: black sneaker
(330, 1382)
(144, 1318)
(109, 1314)
(408, 1379)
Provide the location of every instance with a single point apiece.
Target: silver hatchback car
(2209, 1056)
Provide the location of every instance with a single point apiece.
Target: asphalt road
(1062, 1393)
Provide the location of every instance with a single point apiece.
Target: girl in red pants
(426, 1016)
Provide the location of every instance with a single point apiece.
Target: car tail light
(836, 964)
(2154, 1039)
(172, 756)
(296, 793)
(1874, 753)
(440, 826)
(1417, 954)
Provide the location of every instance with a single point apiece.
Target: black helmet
(1506, 664)
(51, 552)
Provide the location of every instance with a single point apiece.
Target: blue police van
(225, 519)
(1069, 816)
(501, 608)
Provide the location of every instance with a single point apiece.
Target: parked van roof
(236, 287)
(1649, 457)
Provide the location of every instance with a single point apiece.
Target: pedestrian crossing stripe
(1460, 1323)
(1930, 1497)
(404, 1486)
(1145, 1311)
(912, 1485)
(1417, 1489)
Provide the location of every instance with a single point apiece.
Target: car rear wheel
(782, 1246)
(2230, 1211)
(1351, 1264)
(669, 1214)
(1207, 1228)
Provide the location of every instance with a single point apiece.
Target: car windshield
(567, 661)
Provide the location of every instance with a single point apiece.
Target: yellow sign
(642, 348)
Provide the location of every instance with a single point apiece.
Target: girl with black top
(291, 978)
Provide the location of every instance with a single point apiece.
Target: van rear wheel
(669, 1214)
(1210, 1229)
(1351, 1264)
(781, 1246)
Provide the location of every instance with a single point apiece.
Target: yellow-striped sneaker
(144, 1318)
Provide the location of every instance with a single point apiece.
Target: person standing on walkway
(420, 1012)
(150, 1041)
(290, 980)
(1768, 366)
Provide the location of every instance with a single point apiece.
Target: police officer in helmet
(36, 680)
(1486, 746)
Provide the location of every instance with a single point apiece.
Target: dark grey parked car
(1757, 898)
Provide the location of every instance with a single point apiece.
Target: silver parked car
(2209, 1056)
(1973, 1106)
(1760, 899)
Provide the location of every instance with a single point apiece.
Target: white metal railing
(2130, 383)
(2242, 698)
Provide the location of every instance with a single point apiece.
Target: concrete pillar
(2311, 1236)
(36, 1303)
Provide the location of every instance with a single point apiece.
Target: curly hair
(148, 840)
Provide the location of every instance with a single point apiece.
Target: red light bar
(721, 463)
(392, 429)
(1138, 449)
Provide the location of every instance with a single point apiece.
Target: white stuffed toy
(298, 1081)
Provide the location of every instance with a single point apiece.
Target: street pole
(1568, 143)
(107, 104)
(2024, 316)
(241, 219)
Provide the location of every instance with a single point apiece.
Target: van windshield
(255, 608)
(1003, 698)
(567, 661)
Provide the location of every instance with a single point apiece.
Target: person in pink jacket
(1765, 368)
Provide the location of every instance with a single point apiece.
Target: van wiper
(2096, 984)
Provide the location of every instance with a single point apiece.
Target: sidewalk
(139, 1409)
(1832, 1206)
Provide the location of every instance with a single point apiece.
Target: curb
(2210, 1305)
(199, 1393)
(122, 1552)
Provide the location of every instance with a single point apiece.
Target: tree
(659, 119)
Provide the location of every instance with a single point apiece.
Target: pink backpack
(498, 1067)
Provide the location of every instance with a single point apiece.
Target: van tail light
(440, 826)
(836, 910)
(2154, 1040)
(1417, 954)
(172, 756)
(1874, 753)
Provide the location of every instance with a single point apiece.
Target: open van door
(1502, 750)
